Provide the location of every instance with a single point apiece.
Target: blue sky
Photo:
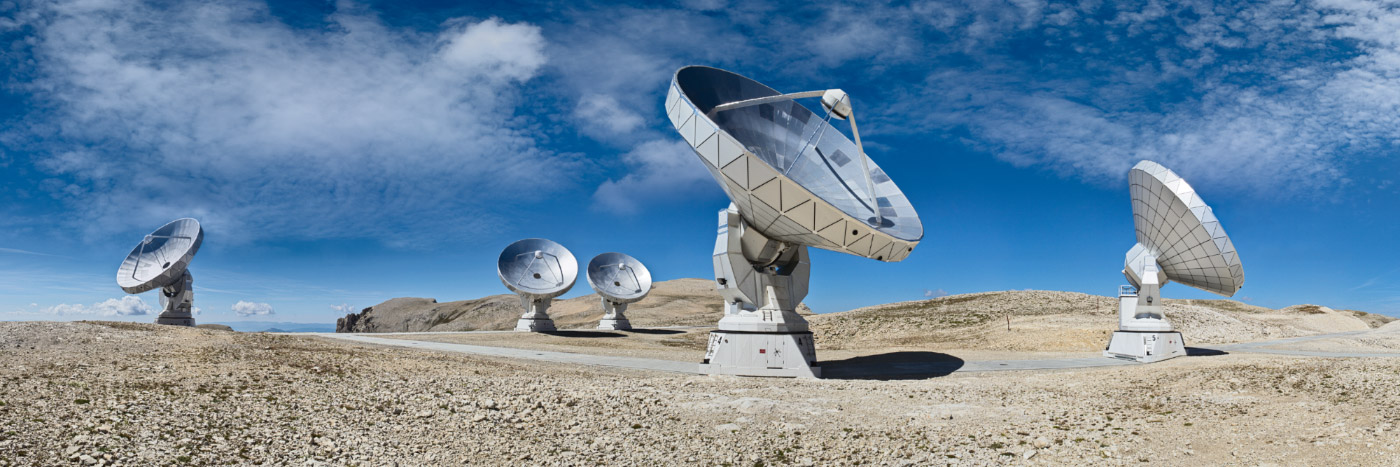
(340, 154)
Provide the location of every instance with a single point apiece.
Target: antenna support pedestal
(762, 282)
(613, 319)
(177, 301)
(536, 317)
(1144, 334)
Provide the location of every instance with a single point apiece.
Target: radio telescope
(1178, 239)
(538, 270)
(794, 181)
(620, 280)
(161, 261)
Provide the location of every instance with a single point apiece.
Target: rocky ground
(139, 394)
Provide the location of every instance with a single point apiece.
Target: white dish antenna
(619, 279)
(161, 261)
(1175, 226)
(538, 270)
(795, 181)
(1178, 239)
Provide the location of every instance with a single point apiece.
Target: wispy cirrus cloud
(16, 251)
(660, 169)
(150, 111)
(1261, 99)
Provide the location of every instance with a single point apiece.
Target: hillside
(1064, 321)
(1039, 320)
(680, 302)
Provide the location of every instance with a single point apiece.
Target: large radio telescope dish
(161, 261)
(538, 270)
(1178, 239)
(619, 279)
(792, 175)
(1177, 227)
(161, 257)
(794, 181)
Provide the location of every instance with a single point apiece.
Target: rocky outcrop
(384, 317)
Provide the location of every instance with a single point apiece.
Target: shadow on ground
(893, 365)
(1203, 352)
(655, 331)
(589, 334)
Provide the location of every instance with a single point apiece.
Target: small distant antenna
(161, 261)
(620, 280)
(538, 270)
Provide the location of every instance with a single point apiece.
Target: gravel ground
(139, 394)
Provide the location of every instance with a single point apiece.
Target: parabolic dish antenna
(619, 279)
(538, 270)
(1178, 239)
(161, 261)
(795, 181)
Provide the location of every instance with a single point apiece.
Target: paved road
(1265, 347)
(898, 365)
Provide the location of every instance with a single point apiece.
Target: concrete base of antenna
(535, 325)
(1145, 347)
(615, 324)
(177, 302)
(174, 320)
(613, 317)
(1144, 334)
(770, 354)
(762, 282)
(536, 317)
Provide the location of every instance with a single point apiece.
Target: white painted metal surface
(1178, 239)
(162, 261)
(538, 270)
(794, 182)
(619, 280)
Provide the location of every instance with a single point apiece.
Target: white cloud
(343, 308)
(935, 293)
(1251, 98)
(246, 309)
(23, 252)
(129, 305)
(495, 50)
(220, 111)
(602, 116)
(195, 310)
(660, 169)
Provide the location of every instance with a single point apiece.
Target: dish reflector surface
(162, 257)
(1182, 232)
(793, 176)
(619, 277)
(538, 267)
